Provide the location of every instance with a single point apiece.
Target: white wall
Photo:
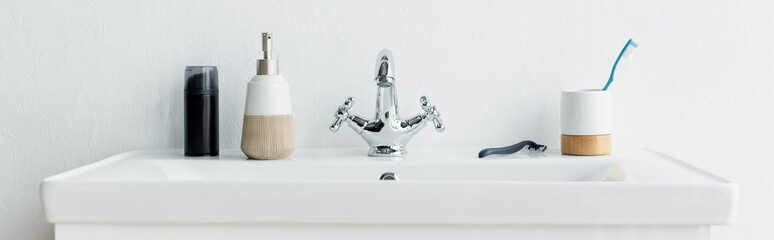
(82, 80)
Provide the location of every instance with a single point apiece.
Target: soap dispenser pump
(267, 131)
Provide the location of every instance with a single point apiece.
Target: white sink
(438, 188)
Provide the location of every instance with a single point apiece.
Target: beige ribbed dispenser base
(586, 145)
(268, 137)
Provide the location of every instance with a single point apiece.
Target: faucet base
(386, 151)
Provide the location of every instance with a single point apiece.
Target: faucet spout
(387, 134)
(384, 70)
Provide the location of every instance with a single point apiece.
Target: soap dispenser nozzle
(267, 65)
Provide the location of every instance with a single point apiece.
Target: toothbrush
(627, 52)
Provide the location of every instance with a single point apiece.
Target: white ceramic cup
(587, 112)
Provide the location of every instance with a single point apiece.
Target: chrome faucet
(387, 133)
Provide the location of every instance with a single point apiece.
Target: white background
(83, 80)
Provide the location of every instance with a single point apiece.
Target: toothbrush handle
(612, 72)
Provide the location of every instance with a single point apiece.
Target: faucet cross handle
(342, 114)
(432, 113)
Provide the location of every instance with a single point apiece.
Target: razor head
(538, 147)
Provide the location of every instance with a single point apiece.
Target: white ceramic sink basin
(436, 186)
(165, 166)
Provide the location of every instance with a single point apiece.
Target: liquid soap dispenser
(267, 131)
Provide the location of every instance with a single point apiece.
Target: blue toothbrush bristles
(630, 49)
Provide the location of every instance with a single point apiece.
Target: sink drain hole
(388, 176)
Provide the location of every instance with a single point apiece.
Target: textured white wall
(82, 80)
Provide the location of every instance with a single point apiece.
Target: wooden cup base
(586, 145)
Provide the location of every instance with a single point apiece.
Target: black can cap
(201, 80)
